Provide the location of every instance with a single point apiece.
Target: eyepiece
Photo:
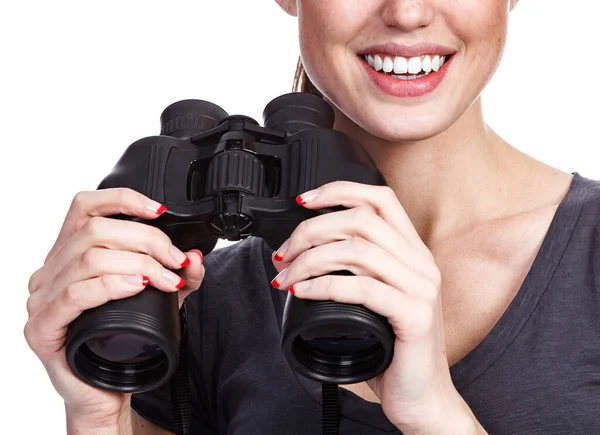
(298, 111)
(188, 118)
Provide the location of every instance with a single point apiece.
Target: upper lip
(395, 49)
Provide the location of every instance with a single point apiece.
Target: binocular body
(226, 177)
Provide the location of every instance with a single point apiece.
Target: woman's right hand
(96, 259)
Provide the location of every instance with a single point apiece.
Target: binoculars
(227, 177)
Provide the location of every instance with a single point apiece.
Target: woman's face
(336, 35)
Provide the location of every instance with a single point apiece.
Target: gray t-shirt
(537, 372)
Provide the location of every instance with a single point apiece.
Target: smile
(406, 76)
(405, 68)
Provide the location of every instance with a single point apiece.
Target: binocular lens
(123, 362)
(336, 343)
(345, 347)
(124, 348)
(127, 345)
(347, 359)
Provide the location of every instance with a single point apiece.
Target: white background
(79, 81)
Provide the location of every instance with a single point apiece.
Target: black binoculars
(226, 177)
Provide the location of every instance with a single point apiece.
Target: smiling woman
(483, 259)
(334, 34)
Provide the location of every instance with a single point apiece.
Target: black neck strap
(180, 383)
(180, 392)
(331, 409)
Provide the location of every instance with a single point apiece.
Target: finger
(349, 194)
(359, 222)
(408, 317)
(96, 262)
(35, 302)
(104, 202)
(193, 274)
(357, 256)
(279, 265)
(46, 329)
(118, 235)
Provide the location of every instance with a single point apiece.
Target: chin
(384, 121)
(408, 131)
(401, 127)
(357, 113)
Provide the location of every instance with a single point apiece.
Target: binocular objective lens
(342, 347)
(125, 348)
(339, 341)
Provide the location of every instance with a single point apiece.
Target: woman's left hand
(395, 275)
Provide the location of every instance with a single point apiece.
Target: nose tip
(407, 15)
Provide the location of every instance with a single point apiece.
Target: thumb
(193, 274)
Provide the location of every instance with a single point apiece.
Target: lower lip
(407, 88)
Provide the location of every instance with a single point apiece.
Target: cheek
(480, 24)
(313, 25)
(332, 19)
(325, 29)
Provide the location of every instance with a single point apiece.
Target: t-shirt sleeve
(155, 405)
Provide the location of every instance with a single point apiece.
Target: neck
(450, 182)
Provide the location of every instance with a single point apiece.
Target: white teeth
(378, 63)
(401, 65)
(426, 64)
(414, 65)
(388, 65)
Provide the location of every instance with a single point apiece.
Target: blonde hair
(301, 81)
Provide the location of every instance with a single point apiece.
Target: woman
(482, 258)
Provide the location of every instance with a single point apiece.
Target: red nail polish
(278, 257)
(181, 284)
(275, 284)
(145, 280)
(292, 291)
(186, 262)
(161, 209)
(299, 200)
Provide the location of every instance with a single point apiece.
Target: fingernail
(281, 251)
(179, 256)
(307, 196)
(156, 207)
(174, 279)
(278, 280)
(299, 287)
(136, 281)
